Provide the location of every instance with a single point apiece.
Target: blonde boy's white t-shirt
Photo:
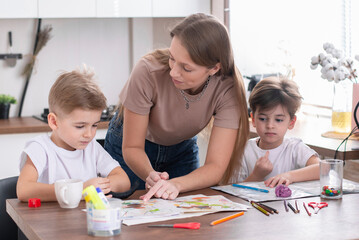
(54, 163)
(290, 155)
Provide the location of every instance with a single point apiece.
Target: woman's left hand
(154, 177)
(162, 189)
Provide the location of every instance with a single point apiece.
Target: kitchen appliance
(106, 115)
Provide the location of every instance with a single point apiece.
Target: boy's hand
(263, 167)
(284, 178)
(154, 177)
(103, 183)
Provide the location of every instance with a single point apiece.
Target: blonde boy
(271, 157)
(71, 152)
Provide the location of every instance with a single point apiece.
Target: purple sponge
(283, 191)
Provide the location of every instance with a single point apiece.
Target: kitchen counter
(30, 125)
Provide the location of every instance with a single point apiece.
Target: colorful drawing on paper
(138, 210)
(151, 208)
(203, 203)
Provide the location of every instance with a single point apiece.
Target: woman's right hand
(165, 189)
(154, 177)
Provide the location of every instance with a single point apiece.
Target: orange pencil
(226, 218)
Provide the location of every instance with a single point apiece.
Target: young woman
(171, 95)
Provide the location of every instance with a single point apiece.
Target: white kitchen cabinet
(123, 8)
(101, 8)
(18, 9)
(67, 8)
(151, 8)
(179, 8)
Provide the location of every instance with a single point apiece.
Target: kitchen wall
(109, 46)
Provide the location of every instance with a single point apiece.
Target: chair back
(9, 229)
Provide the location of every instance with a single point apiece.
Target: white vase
(342, 106)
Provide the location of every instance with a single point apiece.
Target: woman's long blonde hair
(207, 42)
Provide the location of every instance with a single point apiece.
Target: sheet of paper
(155, 210)
(258, 196)
(203, 203)
(299, 190)
(314, 186)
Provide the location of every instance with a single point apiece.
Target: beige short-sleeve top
(151, 91)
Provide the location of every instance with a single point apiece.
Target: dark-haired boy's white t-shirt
(290, 155)
(54, 163)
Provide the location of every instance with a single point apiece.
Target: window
(279, 35)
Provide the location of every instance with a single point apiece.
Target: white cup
(68, 192)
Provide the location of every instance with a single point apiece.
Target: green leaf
(7, 99)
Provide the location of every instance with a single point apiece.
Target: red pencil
(306, 209)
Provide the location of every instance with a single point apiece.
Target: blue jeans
(177, 160)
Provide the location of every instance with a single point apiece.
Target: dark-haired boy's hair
(273, 91)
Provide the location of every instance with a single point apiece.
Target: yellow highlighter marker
(90, 194)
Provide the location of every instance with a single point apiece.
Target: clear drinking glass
(103, 222)
(331, 178)
(342, 106)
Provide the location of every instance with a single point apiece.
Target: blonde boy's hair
(273, 91)
(76, 89)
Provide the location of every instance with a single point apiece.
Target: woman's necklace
(187, 100)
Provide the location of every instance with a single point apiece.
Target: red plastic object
(34, 202)
(190, 225)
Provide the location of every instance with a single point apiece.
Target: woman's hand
(162, 189)
(154, 177)
(284, 178)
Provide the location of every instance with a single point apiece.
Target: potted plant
(5, 101)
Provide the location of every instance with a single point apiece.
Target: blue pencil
(248, 187)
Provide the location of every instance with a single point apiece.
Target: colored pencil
(259, 208)
(296, 206)
(221, 220)
(265, 207)
(273, 209)
(306, 209)
(291, 207)
(285, 205)
(248, 187)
